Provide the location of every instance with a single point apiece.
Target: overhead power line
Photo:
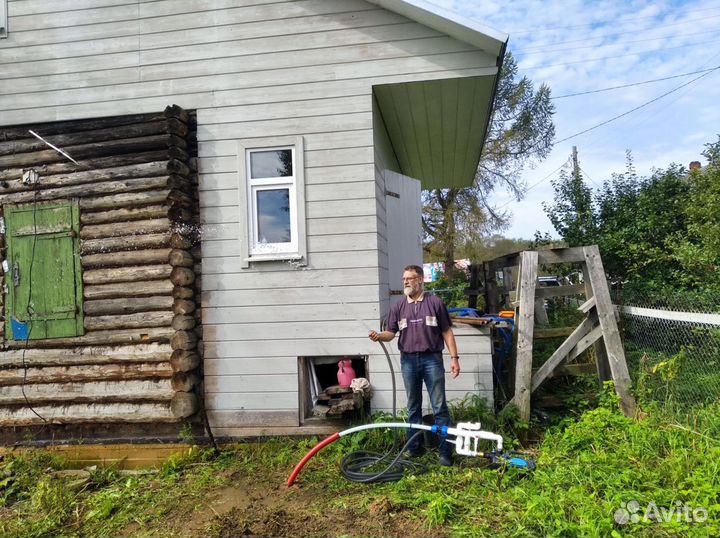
(596, 23)
(625, 55)
(637, 107)
(543, 48)
(631, 84)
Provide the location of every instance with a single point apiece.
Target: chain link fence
(672, 345)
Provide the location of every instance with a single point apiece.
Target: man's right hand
(374, 336)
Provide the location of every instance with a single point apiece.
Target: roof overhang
(461, 28)
(438, 127)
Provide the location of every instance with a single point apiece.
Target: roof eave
(462, 28)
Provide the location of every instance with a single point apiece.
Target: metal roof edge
(450, 23)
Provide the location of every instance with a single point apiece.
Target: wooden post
(611, 335)
(601, 358)
(491, 295)
(474, 285)
(525, 323)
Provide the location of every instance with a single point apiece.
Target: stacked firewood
(340, 401)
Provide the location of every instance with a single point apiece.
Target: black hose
(392, 378)
(355, 465)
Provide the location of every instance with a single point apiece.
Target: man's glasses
(410, 279)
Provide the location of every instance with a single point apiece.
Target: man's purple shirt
(420, 324)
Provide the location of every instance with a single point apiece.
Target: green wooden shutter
(44, 280)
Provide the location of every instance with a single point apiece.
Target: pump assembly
(467, 436)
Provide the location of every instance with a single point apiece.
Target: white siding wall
(251, 69)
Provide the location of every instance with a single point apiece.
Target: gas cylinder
(345, 373)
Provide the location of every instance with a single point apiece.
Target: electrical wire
(30, 311)
(544, 48)
(616, 56)
(615, 22)
(631, 84)
(636, 108)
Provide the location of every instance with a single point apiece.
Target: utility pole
(576, 167)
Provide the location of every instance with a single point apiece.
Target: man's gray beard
(408, 291)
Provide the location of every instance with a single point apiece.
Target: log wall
(138, 360)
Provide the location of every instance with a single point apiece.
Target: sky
(577, 46)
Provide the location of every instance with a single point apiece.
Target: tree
(699, 249)
(633, 220)
(572, 213)
(520, 133)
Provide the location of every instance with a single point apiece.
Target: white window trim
(3, 19)
(297, 249)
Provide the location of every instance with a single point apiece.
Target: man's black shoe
(446, 460)
(414, 453)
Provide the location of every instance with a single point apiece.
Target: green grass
(589, 467)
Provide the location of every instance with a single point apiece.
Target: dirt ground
(270, 508)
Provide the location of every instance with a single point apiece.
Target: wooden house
(210, 203)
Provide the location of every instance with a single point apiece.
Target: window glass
(273, 216)
(275, 163)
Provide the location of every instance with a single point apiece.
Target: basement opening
(322, 396)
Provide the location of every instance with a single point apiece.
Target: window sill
(276, 258)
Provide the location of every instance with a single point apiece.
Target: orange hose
(317, 448)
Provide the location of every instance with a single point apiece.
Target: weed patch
(599, 474)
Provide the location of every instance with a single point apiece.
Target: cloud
(582, 45)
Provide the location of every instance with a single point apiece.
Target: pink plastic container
(345, 373)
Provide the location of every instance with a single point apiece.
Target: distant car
(551, 281)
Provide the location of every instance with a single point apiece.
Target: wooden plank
(119, 228)
(601, 360)
(561, 255)
(553, 332)
(126, 274)
(261, 279)
(108, 147)
(320, 313)
(125, 214)
(591, 339)
(90, 392)
(128, 305)
(270, 382)
(291, 296)
(572, 370)
(559, 291)
(252, 401)
(99, 338)
(129, 321)
(85, 373)
(154, 352)
(127, 258)
(672, 315)
(562, 352)
(280, 330)
(144, 288)
(126, 242)
(122, 187)
(78, 138)
(253, 419)
(525, 326)
(478, 322)
(133, 456)
(587, 305)
(86, 413)
(611, 334)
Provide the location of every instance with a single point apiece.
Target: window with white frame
(274, 200)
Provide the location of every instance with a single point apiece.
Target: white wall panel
(255, 69)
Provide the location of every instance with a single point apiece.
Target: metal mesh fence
(672, 346)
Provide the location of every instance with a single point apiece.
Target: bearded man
(425, 329)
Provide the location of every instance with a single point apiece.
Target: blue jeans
(428, 368)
